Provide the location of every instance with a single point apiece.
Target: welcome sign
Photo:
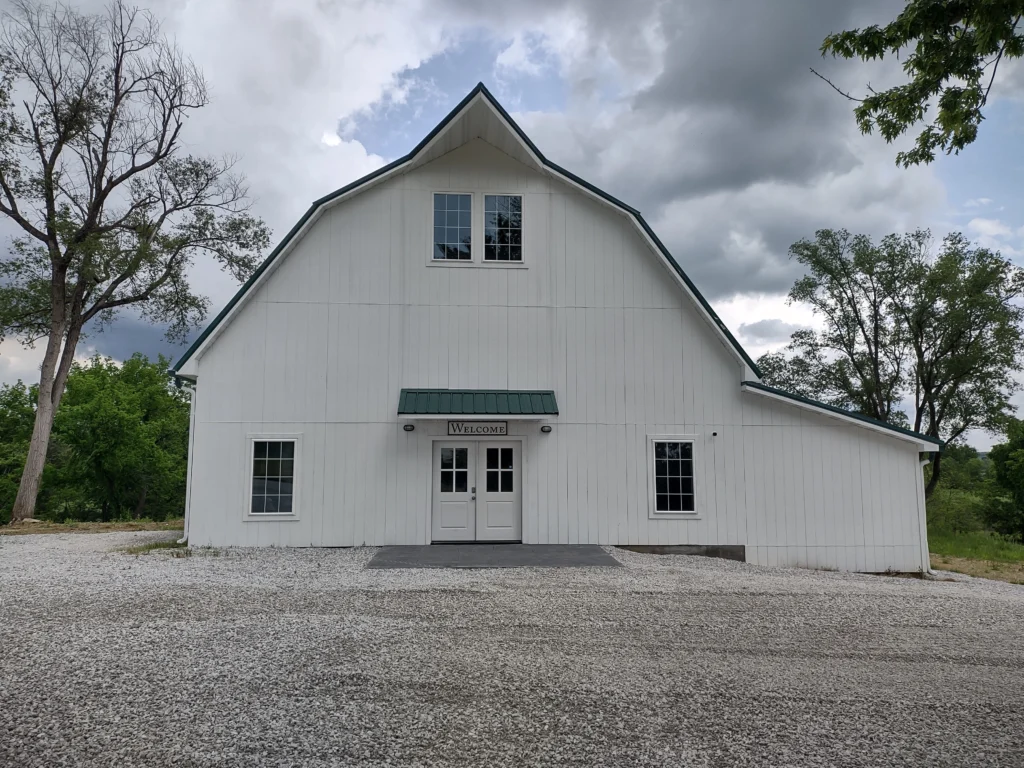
(471, 428)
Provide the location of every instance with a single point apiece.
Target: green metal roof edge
(480, 88)
(843, 412)
(404, 393)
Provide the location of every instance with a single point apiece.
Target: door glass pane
(492, 481)
(506, 482)
(446, 482)
(461, 481)
(461, 458)
(492, 458)
(447, 458)
(506, 458)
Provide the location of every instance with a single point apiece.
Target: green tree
(110, 211)
(903, 327)
(17, 413)
(1006, 515)
(125, 430)
(951, 52)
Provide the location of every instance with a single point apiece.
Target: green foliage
(1007, 515)
(951, 51)
(977, 545)
(956, 511)
(17, 412)
(940, 332)
(119, 445)
(977, 510)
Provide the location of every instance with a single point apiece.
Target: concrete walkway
(493, 556)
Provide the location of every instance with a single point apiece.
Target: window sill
(673, 516)
(460, 264)
(282, 518)
(503, 265)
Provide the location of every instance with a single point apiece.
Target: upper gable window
(453, 218)
(503, 228)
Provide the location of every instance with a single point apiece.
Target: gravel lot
(302, 658)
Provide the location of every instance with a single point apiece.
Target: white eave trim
(924, 445)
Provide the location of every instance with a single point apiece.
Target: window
(454, 470)
(673, 476)
(273, 473)
(453, 224)
(503, 228)
(500, 472)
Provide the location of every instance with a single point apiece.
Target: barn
(475, 344)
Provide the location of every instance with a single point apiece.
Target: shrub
(952, 510)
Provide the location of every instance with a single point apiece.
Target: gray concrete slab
(493, 556)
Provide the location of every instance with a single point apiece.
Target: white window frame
(250, 454)
(475, 227)
(652, 512)
(503, 264)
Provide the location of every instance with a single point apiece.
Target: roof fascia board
(923, 441)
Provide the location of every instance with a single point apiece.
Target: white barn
(473, 343)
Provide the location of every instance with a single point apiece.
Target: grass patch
(20, 529)
(976, 545)
(982, 569)
(982, 554)
(143, 548)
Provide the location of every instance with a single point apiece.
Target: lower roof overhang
(496, 404)
(925, 443)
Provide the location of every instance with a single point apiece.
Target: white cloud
(997, 235)
(978, 202)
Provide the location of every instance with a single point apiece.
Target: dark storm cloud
(129, 334)
(733, 148)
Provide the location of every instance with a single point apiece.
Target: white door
(454, 514)
(499, 509)
(477, 492)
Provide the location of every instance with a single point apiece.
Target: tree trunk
(52, 377)
(934, 481)
(141, 505)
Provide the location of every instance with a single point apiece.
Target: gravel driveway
(302, 658)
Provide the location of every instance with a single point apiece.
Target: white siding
(354, 313)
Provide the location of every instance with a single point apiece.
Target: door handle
(473, 491)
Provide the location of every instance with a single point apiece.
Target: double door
(477, 491)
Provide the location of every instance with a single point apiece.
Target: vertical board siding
(356, 312)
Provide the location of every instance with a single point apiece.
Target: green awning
(477, 402)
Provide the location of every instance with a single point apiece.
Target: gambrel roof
(479, 115)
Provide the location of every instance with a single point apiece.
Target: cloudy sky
(701, 113)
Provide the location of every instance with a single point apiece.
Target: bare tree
(111, 213)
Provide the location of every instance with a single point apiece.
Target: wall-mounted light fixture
(409, 427)
(546, 428)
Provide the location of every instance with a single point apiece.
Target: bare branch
(835, 87)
